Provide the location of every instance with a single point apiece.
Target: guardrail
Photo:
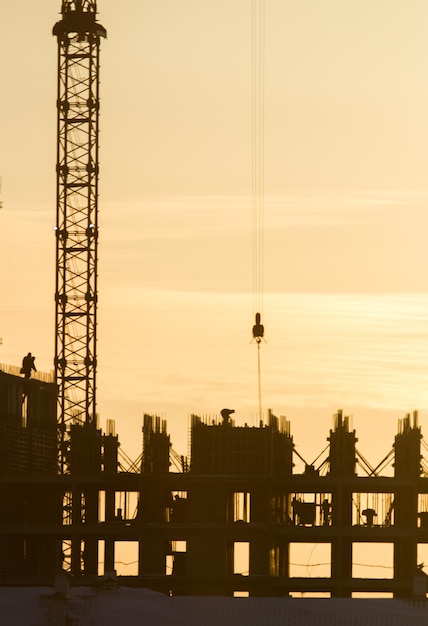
(15, 370)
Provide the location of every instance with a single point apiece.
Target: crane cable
(257, 170)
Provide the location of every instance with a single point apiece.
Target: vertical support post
(407, 465)
(75, 565)
(111, 444)
(342, 463)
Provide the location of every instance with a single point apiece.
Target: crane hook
(258, 329)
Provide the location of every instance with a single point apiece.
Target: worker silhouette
(325, 510)
(28, 365)
(226, 413)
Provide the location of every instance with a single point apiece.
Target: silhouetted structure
(28, 365)
(78, 35)
(258, 329)
(30, 498)
(238, 493)
(65, 495)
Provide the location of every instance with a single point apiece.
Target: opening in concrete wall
(102, 506)
(241, 506)
(241, 558)
(126, 558)
(67, 507)
(422, 559)
(373, 509)
(176, 511)
(422, 556)
(310, 560)
(241, 594)
(423, 510)
(371, 594)
(310, 594)
(127, 504)
(175, 562)
(178, 495)
(101, 557)
(372, 560)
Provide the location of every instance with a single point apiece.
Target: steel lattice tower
(78, 35)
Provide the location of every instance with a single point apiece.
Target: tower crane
(78, 34)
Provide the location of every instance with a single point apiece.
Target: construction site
(227, 518)
(236, 495)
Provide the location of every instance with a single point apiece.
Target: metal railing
(15, 370)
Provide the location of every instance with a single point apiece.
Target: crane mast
(78, 35)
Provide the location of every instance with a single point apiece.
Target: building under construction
(230, 517)
(238, 489)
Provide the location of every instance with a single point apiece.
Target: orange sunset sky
(346, 192)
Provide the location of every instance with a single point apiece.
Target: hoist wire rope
(257, 172)
(257, 145)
